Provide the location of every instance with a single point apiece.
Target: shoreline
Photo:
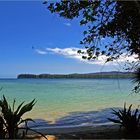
(74, 129)
(106, 131)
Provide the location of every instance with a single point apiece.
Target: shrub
(127, 118)
(11, 118)
(136, 79)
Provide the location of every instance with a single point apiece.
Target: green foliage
(113, 74)
(137, 80)
(11, 119)
(127, 118)
(118, 21)
(2, 130)
(112, 27)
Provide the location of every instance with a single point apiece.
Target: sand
(84, 132)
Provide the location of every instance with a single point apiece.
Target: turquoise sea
(70, 101)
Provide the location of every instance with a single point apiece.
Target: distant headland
(112, 74)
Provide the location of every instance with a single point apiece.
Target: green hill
(113, 74)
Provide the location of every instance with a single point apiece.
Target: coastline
(111, 74)
(106, 131)
(74, 129)
(85, 123)
(84, 132)
(68, 132)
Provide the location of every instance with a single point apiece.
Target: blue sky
(32, 40)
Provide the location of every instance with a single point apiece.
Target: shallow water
(57, 98)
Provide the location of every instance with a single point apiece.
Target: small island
(112, 74)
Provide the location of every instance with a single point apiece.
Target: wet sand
(85, 132)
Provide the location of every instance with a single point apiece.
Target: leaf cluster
(116, 21)
(127, 118)
(11, 118)
(136, 80)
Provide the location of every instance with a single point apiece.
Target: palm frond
(27, 107)
(18, 108)
(10, 119)
(127, 118)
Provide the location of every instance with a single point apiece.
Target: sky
(32, 40)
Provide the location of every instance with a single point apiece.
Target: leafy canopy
(113, 27)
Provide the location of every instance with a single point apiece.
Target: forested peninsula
(112, 74)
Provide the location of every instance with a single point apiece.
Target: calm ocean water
(68, 100)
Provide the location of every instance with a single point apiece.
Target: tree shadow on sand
(97, 122)
(78, 119)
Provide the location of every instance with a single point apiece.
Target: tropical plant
(136, 80)
(127, 118)
(11, 118)
(2, 130)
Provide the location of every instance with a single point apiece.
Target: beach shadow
(78, 119)
(86, 118)
(38, 123)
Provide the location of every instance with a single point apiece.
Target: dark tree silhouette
(113, 27)
(137, 80)
(119, 21)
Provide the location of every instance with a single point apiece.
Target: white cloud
(67, 24)
(39, 51)
(72, 53)
(67, 52)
